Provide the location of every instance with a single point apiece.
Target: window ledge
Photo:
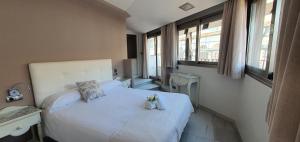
(198, 64)
(257, 75)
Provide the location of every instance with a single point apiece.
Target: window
(261, 47)
(154, 56)
(200, 44)
(187, 44)
(209, 41)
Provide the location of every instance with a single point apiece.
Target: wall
(131, 32)
(216, 91)
(252, 107)
(56, 30)
(244, 101)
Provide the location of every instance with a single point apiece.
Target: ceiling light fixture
(186, 7)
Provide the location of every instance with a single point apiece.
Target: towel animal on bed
(155, 102)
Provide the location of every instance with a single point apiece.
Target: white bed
(117, 117)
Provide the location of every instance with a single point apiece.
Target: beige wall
(56, 30)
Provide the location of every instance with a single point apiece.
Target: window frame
(197, 23)
(256, 73)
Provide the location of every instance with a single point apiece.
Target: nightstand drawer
(20, 126)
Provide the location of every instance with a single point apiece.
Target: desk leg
(33, 134)
(40, 132)
(198, 94)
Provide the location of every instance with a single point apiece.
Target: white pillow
(108, 85)
(60, 100)
(89, 90)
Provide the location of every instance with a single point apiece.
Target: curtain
(168, 51)
(256, 33)
(145, 57)
(232, 54)
(283, 113)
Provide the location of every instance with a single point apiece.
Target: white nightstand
(125, 81)
(16, 121)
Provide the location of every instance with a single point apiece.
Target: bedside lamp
(17, 91)
(115, 73)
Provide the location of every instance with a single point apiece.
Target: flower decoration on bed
(154, 102)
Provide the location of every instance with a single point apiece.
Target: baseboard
(223, 117)
(216, 113)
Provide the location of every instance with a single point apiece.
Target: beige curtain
(145, 57)
(256, 32)
(168, 51)
(283, 114)
(232, 54)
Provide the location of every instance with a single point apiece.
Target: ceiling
(146, 15)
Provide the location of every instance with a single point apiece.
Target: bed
(117, 117)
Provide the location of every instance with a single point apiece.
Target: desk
(181, 79)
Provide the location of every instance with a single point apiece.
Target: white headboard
(52, 77)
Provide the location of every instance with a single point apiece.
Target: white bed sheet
(120, 117)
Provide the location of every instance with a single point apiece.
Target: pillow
(60, 100)
(89, 90)
(108, 85)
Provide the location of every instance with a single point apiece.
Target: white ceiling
(146, 15)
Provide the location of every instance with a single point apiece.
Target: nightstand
(125, 81)
(16, 121)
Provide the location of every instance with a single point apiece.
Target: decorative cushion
(89, 90)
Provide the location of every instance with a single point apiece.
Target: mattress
(120, 117)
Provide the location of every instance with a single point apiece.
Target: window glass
(259, 34)
(181, 45)
(158, 56)
(154, 56)
(187, 44)
(192, 39)
(209, 41)
(208, 46)
(262, 35)
(151, 57)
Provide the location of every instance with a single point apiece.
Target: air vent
(186, 7)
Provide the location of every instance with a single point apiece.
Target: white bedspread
(120, 117)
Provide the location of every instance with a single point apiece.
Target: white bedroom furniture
(131, 70)
(180, 80)
(125, 81)
(117, 117)
(17, 120)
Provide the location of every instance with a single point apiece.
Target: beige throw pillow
(89, 90)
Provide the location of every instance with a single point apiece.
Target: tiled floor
(206, 127)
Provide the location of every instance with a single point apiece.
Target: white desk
(181, 79)
(16, 121)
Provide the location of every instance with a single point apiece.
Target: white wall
(252, 106)
(131, 32)
(216, 91)
(245, 100)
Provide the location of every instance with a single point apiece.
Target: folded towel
(160, 105)
(155, 102)
(150, 104)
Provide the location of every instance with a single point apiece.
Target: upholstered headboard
(52, 77)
